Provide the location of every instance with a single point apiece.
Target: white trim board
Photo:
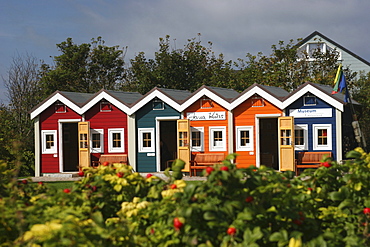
(318, 93)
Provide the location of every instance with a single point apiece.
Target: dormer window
(310, 49)
(257, 101)
(105, 106)
(309, 100)
(60, 108)
(206, 104)
(158, 104)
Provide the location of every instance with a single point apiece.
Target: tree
(360, 92)
(288, 67)
(186, 69)
(23, 93)
(84, 68)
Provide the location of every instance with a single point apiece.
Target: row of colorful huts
(262, 124)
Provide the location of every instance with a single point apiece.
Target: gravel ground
(74, 177)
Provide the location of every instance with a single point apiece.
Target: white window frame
(250, 145)
(54, 149)
(201, 147)
(102, 103)
(256, 99)
(157, 102)
(315, 128)
(303, 127)
(206, 107)
(212, 130)
(57, 105)
(306, 48)
(101, 132)
(112, 149)
(304, 100)
(141, 148)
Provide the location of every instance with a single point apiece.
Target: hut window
(197, 139)
(49, 141)
(96, 140)
(116, 140)
(105, 106)
(206, 104)
(285, 137)
(258, 102)
(309, 100)
(244, 138)
(300, 136)
(60, 108)
(322, 137)
(146, 140)
(158, 105)
(217, 141)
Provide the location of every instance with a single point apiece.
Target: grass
(60, 185)
(69, 184)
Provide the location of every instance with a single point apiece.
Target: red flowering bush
(113, 206)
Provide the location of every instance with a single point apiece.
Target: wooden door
(286, 143)
(183, 142)
(83, 146)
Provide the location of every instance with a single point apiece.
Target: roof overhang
(56, 97)
(156, 93)
(315, 91)
(256, 90)
(105, 95)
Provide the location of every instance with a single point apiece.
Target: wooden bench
(310, 159)
(111, 158)
(202, 160)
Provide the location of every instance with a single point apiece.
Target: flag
(340, 84)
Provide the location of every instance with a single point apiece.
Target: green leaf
(358, 186)
(345, 203)
(353, 155)
(336, 196)
(231, 156)
(97, 217)
(281, 237)
(272, 209)
(209, 216)
(247, 214)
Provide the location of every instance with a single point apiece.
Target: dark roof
(225, 93)
(327, 89)
(77, 98)
(175, 94)
(275, 91)
(125, 97)
(334, 43)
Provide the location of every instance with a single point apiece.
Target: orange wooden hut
(256, 113)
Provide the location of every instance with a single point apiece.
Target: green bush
(113, 206)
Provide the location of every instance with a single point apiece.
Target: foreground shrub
(113, 206)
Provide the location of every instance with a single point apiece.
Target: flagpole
(355, 124)
(340, 84)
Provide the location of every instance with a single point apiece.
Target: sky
(235, 27)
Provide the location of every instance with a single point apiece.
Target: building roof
(125, 97)
(329, 89)
(272, 94)
(226, 93)
(276, 91)
(180, 100)
(319, 90)
(305, 40)
(175, 94)
(77, 98)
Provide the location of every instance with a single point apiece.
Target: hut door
(183, 141)
(286, 143)
(83, 146)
